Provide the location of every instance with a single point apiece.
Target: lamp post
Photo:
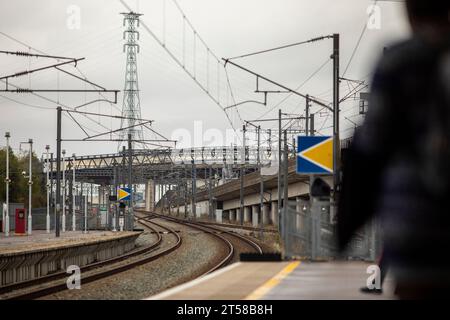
(106, 203)
(114, 216)
(30, 185)
(7, 180)
(85, 210)
(58, 171)
(47, 147)
(63, 187)
(73, 194)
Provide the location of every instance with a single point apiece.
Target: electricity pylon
(131, 108)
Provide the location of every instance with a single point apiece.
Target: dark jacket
(394, 171)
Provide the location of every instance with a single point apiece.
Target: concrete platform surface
(294, 280)
(328, 281)
(40, 240)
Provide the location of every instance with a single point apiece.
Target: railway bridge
(185, 169)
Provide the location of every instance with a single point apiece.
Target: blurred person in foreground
(398, 167)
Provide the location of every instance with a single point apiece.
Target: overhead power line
(34, 93)
(181, 61)
(360, 39)
(282, 47)
(297, 88)
(45, 54)
(27, 104)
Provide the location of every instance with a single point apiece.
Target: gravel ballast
(196, 255)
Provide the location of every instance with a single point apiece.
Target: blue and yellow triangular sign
(314, 155)
(123, 194)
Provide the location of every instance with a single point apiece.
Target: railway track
(55, 282)
(230, 248)
(234, 240)
(104, 268)
(238, 226)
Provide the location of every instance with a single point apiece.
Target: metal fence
(310, 232)
(40, 218)
(95, 221)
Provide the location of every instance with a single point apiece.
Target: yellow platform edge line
(272, 282)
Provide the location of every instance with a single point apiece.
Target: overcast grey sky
(168, 94)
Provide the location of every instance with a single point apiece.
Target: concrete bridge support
(247, 214)
(266, 214)
(226, 215)
(150, 195)
(233, 215)
(238, 215)
(274, 213)
(255, 216)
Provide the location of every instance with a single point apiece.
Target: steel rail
(252, 243)
(224, 261)
(39, 292)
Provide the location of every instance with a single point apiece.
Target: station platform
(26, 257)
(292, 280)
(41, 240)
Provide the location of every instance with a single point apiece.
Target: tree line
(18, 187)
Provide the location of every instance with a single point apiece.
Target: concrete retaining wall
(21, 266)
